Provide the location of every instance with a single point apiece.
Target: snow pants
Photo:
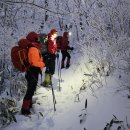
(64, 55)
(50, 68)
(32, 79)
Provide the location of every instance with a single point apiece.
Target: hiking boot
(26, 105)
(67, 66)
(62, 64)
(25, 112)
(62, 67)
(50, 84)
(45, 84)
(47, 80)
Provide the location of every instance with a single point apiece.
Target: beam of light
(70, 33)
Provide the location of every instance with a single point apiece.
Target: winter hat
(53, 31)
(65, 34)
(32, 36)
(24, 43)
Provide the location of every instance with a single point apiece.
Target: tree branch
(32, 4)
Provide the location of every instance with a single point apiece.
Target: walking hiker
(64, 50)
(36, 66)
(52, 50)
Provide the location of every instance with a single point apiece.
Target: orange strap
(24, 57)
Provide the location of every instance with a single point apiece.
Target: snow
(101, 106)
(102, 28)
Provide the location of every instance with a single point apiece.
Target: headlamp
(70, 33)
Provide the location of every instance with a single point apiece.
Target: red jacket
(52, 46)
(64, 43)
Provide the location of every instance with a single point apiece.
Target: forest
(100, 35)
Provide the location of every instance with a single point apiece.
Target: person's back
(52, 49)
(36, 65)
(64, 50)
(59, 42)
(34, 55)
(64, 42)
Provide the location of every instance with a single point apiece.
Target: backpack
(58, 41)
(19, 55)
(43, 39)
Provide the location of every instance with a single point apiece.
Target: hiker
(52, 52)
(36, 66)
(64, 50)
(43, 38)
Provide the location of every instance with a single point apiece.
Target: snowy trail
(99, 112)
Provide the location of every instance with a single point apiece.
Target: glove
(72, 48)
(57, 55)
(58, 50)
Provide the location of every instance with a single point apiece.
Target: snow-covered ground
(102, 104)
(102, 30)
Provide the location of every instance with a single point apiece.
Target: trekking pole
(58, 67)
(54, 99)
(59, 72)
(41, 78)
(59, 75)
(57, 60)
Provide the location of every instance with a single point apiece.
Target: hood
(65, 34)
(32, 36)
(53, 31)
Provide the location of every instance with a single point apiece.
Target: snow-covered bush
(1, 81)
(17, 84)
(101, 27)
(106, 39)
(7, 111)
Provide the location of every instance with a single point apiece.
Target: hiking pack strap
(22, 53)
(21, 60)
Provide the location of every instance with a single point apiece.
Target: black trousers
(64, 55)
(32, 80)
(50, 66)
